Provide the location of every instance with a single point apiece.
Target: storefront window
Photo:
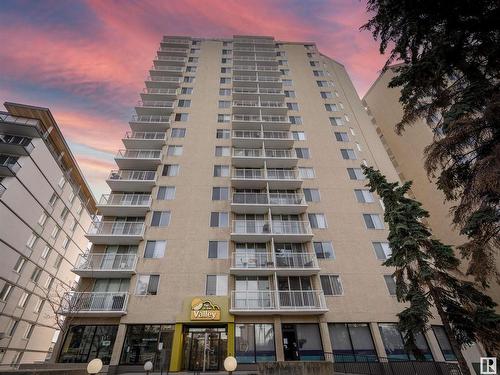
(352, 342)
(84, 343)
(394, 344)
(444, 343)
(255, 343)
(309, 342)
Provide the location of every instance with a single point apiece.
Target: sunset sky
(87, 60)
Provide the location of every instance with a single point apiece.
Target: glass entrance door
(204, 348)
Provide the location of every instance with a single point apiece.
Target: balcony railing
(253, 49)
(295, 300)
(178, 69)
(171, 58)
(10, 164)
(291, 227)
(256, 134)
(132, 175)
(94, 302)
(176, 40)
(271, 198)
(106, 262)
(254, 58)
(261, 68)
(146, 135)
(256, 103)
(257, 78)
(155, 104)
(265, 260)
(14, 140)
(125, 199)
(138, 154)
(271, 227)
(255, 90)
(257, 118)
(259, 153)
(171, 49)
(154, 90)
(282, 174)
(163, 79)
(253, 41)
(116, 228)
(29, 122)
(271, 174)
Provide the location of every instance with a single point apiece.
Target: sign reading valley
(204, 310)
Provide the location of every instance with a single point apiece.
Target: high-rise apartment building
(45, 207)
(239, 222)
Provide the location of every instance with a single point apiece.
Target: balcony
(289, 263)
(162, 82)
(176, 41)
(277, 301)
(138, 159)
(263, 230)
(124, 204)
(253, 49)
(255, 157)
(253, 178)
(145, 140)
(254, 58)
(106, 265)
(15, 145)
(94, 304)
(115, 232)
(246, 122)
(22, 126)
(260, 79)
(170, 60)
(149, 123)
(257, 68)
(264, 107)
(255, 139)
(2, 189)
(8, 165)
(254, 93)
(133, 181)
(154, 108)
(165, 70)
(264, 41)
(259, 203)
(173, 51)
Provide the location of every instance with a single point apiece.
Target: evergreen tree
(426, 277)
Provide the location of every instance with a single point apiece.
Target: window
(55, 232)
(5, 292)
(217, 249)
(53, 199)
(341, 136)
(352, 131)
(186, 90)
(224, 92)
(72, 196)
(364, 195)
(166, 193)
(58, 261)
(221, 170)
(79, 209)
(225, 70)
(324, 250)
(193, 59)
(302, 153)
(65, 243)
(295, 120)
(289, 93)
(226, 60)
(331, 107)
(147, 285)
(174, 150)
(170, 170)
(225, 80)
(324, 83)
(43, 219)
(181, 117)
(224, 104)
(216, 285)
(23, 300)
(29, 331)
(13, 326)
(346, 118)
(191, 69)
(318, 221)
(394, 345)
(314, 63)
(35, 276)
(64, 213)
(223, 134)
(219, 219)
(287, 82)
(49, 282)
(382, 250)
(352, 342)
(311, 195)
(39, 305)
(358, 146)
(254, 343)
(31, 240)
(299, 136)
(62, 182)
(318, 73)
(306, 172)
(391, 284)
(226, 51)
(282, 62)
(141, 342)
(356, 173)
(160, 219)
(18, 267)
(45, 252)
(331, 285)
(178, 133)
(444, 343)
(336, 121)
(223, 118)
(188, 79)
(348, 154)
(292, 106)
(222, 151)
(285, 72)
(326, 94)
(220, 193)
(373, 221)
(155, 249)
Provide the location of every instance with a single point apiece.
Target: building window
(324, 84)
(224, 92)
(178, 133)
(222, 151)
(170, 170)
(188, 79)
(216, 285)
(318, 73)
(292, 106)
(217, 249)
(254, 343)
(223, 134)
(186, 90)
(348, 154)
(86, 342)
(226, 60)
(193, 59)
(289, 93)
(302, 153)
(173, 150)
(155, 249)
(23, 300)
(310, 334)
(364, 195)
(221, 170)
(39, 305)
(382, 250)
(285, 72)
(5, 293)
(32, 240)
(287, 82)
(356, 174)
(12, 329)
(45, 252)
(142, 341)
(318, 221)
(225, 80)
(18, 267)
(219, 219)
(394, 344)
(166, 193)
(324, 250)
(190, 69)
(53, 199)
(181, 117)
(311, 195)
(55, 232)
(444, 343)
(147, 285)
(314, 63)
(331, 285)
(225, 70)
(295, 120)
(224, 104)
(358, 146)
(58, 261)
(336, 121)
(331, 107)
(391, 284)
(43, 219)
(223, 117)
(299, 136)
(160, 219)
(352, 342)
(184, 103)
(373, 221)
(326, 94)
(306, 172)
(66, 242)
(341, 136)
(220, 193)
(35, 275)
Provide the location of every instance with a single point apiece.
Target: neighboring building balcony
(170, 60)
(261, 80)
(265, 107)
(154, 107)
(263, 230)
(162, 82)
(94, 304)
(145, 140)
(106, 265)
(255, 138)
(259, 203)
(253, 93)
(253, 41)
(278, 301)
(124, 204)
(133, 181)
(20, 125)
(257, 68)
(15, 145)
(255, 157)
(173, 51)
(138, 159)
(254, 58)
(176, 41)
(149, 123)
(9, 165)
(115, 232)
(166, 70)
(156, 94)
(252, 178)
(271, 49)
(289, 263)
(244, 122)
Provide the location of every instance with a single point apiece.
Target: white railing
(106, 262)
(249, 173)
(247, 152)
(256, 103)
(255, 90)
(153, 119)
(257, 78)
(245, 103)
(116, 228)
(155, 104)
(270, 174)
(168, 68)
(132, 175)
(250, 198)
(254, 58)
(301, 300)
(249, 260)
(125, 200)
(155, 90)
(280, 154)
(261, 68)
(271, 227)
(146, 135)
(296, 260)
(253, 49)
(282, 174)
(265, 260)
(163, 79)
(257, 118)
(5, 117)
(76, 302)
(261, 300)
(171, 58)
(167, 40)
(251, 227)
(171, 49)
(291, 227)
(258, 153)
(285, 199)
(253, 41)
(250, 134)
(139, 154)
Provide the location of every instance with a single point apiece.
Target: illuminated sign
(204, 310)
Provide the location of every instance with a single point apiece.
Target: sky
(87, 60)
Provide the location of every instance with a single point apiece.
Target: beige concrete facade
(44, 215)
